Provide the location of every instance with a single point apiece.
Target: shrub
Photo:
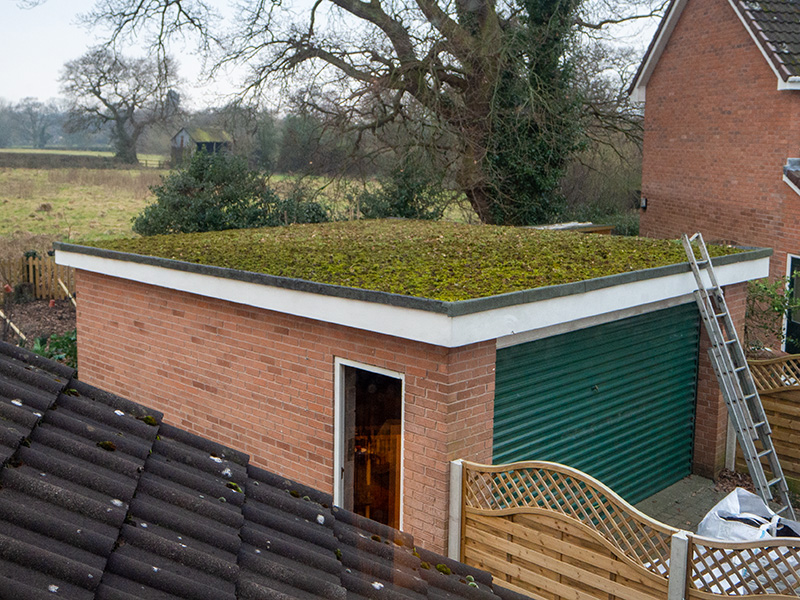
(297, 207)
(214, 192)
(768, 302)
(63, 348)
(410, 193)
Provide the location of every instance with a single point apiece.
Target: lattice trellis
(553, 487)
(776, 373)
(769, 567)
(749, 570)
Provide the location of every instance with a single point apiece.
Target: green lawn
(73, 204)
(101, 153)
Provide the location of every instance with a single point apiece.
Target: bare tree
(486, 86)
(35, 120)
(127, 94)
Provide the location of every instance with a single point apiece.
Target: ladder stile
(735, 379)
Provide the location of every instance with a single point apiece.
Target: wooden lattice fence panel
(555, 533)
(745, 569)
(778, 383)
(776, 374)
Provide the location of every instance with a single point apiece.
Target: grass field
(74, 204)
(100, 153)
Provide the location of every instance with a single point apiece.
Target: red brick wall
(711, 417)
(717, 134)
(263, 382)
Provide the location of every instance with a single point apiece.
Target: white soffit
(413, 323)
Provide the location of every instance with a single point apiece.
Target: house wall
(263, 382)
(717, 134)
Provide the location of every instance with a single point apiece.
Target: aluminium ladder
(736, 381)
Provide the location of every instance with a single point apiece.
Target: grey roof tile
(164, 514)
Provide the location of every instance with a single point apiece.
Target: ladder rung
(783, 508)
(717, 319)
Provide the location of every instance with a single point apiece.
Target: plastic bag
(741, 516)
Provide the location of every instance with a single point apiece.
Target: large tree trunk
(480, 200)
(125, 143)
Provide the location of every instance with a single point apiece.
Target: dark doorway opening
(793, 318)
(372, 445)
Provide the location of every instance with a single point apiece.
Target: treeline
(600, 183)
(32, 123)
(276, 144)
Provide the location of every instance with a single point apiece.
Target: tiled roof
(776, 25)
(100, 499)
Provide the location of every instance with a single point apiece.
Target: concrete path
(683, 504)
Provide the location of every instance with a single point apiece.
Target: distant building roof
(99, 498)
(207, 134)
(773, 24)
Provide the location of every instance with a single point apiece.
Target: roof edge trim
(451, 309)
(661, 38)
(654, 51)
(784, 83)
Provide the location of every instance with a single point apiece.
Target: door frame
(789, 289)
(339, 365)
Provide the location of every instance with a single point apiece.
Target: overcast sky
(36, 42)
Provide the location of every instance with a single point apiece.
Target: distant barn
(191, 139)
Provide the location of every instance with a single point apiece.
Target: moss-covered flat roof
(436, 260)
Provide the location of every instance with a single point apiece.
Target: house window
(368, 456)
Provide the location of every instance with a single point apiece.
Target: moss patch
(442, 261)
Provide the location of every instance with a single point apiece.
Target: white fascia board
(555, 312)
(792, 83)
(638, 92)
(788, 182)
(416, 324)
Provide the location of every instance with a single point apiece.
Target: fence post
(454, 524)
(678, 565)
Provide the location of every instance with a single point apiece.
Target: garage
(615, 400)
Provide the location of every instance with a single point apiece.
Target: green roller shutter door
(615, 400)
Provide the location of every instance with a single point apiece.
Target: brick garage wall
(263, 382)
(717, 134)
(711, 416)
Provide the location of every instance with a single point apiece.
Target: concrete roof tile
(166, 514)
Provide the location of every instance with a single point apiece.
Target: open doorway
(369, 428)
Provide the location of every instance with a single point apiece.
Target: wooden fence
(778, 383)
(40, 274)
(555, 533)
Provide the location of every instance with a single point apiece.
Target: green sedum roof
(437, 260)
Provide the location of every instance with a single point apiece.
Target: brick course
(717, 134)
(263, 382)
